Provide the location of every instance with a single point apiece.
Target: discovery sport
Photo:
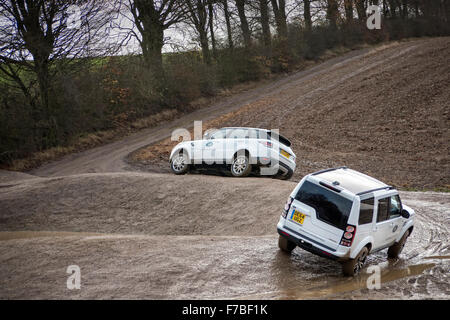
(344, 215)
(237, 151)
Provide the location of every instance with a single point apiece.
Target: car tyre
(241, 166)
(180, 163)
(287, 176)
(395, 250)
(353, 266)
(285, 245)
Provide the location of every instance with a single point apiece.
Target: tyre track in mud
(137, 235)
(132, 238)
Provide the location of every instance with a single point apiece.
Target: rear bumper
(341, 254)
(308, 246)
(285, 166)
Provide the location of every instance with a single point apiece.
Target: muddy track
(147, 235)
(158, 236)
(112, 157)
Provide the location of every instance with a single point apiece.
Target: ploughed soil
(385, 112)
(160, 236)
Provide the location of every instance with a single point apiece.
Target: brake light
(350, 229)
(348, 236)
(286, 208)
(267, 144)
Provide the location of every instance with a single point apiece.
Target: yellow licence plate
(284, 153)
(298, 217)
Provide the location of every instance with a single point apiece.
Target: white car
(239, 151)
(344, 215)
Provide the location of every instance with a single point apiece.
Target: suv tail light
(287, 206)
(348, 236)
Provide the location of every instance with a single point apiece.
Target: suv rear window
(330, 207)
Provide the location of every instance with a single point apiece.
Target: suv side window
(218, 135)
(395, 207)
(383, 213)
(238, 134)
(366, 211)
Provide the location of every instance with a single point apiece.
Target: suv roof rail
(327, 170)
(373, 190)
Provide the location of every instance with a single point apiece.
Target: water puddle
(334, 287)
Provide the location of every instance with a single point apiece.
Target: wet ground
(161, 236)
(154, 236)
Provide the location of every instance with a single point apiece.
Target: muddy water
(238, 260)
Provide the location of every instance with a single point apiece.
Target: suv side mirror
(206, 136)
(405, 214)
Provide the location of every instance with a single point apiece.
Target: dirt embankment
(386, 113)
(158, 236)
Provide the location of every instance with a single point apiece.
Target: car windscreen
(330, 207)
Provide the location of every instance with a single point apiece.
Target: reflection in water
(328, 284)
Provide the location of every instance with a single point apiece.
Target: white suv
(239, 151)
(344, 215)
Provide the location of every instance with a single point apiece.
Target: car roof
(351, 180)
(244, 128)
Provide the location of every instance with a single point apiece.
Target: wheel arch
(181, 149)
(366, 242)
(244, 150)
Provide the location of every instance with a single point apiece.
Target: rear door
(388, 221)
(365, 219)
(381, 228)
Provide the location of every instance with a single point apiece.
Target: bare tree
(307, 14)
(226, 13)
(211, 27)
(38, 40)
(265, 24)
(240, 4)
(361, 9)
(279, 9)
(149, 20)
(198, 16)
(332, 13)
(348, 8)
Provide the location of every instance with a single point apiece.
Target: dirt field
(158, 236)
(385, 112)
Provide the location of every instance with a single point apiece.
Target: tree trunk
(265, 23)
(228, 23)
(42, 72)
(240, 4)
(151, 45)
(202, 29)
(279, 9)
(205, 48)
(307, 14)
(361, 9)
(332, 13)
(348, 5)
(211, 28)
(404, 9)
(152, 33)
